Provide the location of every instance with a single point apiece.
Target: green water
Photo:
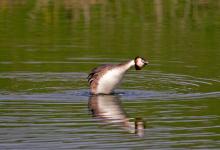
(47, 49)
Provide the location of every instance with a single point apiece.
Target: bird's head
(140, 63)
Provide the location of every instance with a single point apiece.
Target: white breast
(110, 80)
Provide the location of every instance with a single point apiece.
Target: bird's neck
(127, 65)
(130, 64)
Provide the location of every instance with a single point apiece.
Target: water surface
(47, 49)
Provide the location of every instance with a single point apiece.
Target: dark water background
(47, 48)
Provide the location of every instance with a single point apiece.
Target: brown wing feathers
(97, 72)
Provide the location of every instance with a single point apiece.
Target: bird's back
(105, 78)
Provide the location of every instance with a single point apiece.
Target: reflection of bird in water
(104, 79)
(108, 108)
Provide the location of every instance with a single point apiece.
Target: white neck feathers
(129, 64)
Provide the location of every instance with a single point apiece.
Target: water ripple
(83, 94)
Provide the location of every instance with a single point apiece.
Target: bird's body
(105, 78)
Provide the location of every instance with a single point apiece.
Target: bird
(105, 78)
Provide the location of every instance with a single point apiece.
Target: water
(47, 49)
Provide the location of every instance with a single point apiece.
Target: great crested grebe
(105, 78)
